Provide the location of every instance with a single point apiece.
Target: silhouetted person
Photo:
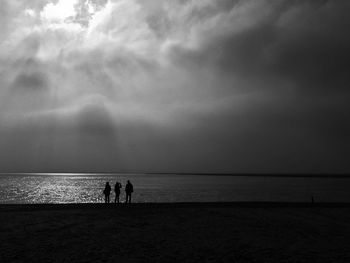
(107, 192)
(128, 190)
(117, 188)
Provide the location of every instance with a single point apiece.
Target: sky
(213, 86)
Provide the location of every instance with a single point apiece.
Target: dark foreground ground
(175, 233)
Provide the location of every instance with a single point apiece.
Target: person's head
(107, 183)
(128, 181)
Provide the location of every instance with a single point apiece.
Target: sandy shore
(207, 232)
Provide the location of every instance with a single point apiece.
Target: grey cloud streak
(181, 86)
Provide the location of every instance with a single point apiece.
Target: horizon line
(325, 175)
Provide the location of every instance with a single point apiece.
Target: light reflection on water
(87, 188)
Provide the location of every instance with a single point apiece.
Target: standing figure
(128, 190)
(107, 192)
(117, 188)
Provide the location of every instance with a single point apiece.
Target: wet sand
(191, 232)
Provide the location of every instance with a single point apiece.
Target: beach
(175, 232)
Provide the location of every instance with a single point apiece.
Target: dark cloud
(34, 81)
(298, 56)
(95, 119)
(202, 86)
(304, 42)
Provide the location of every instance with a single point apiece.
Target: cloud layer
(176, 86)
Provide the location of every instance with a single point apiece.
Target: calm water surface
(87, 188)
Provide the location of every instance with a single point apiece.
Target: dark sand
(175, 233)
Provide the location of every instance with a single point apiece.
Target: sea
(88, 188)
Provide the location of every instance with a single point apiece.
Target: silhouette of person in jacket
(107, 192)
(128, 190)
(117, 188)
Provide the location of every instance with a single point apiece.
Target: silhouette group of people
(129, 189)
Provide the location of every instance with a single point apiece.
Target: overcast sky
(223, 86)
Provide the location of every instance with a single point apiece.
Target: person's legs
(108, 199)
(105, 198)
